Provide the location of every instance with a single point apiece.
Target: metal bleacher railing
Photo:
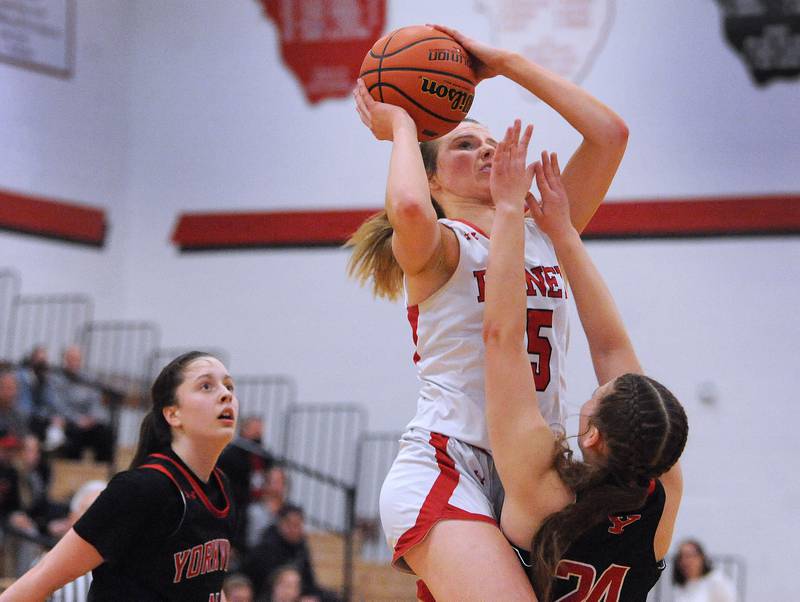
(9, 289)
(116, 352)
(161, 356)
(323, 439)
(376, 452)
(267, 398)
(54, 321)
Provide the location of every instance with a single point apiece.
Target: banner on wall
(324, 41)
(766, 33)
(38, 35)
(564, 37)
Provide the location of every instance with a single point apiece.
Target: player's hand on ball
(510, 178)
(487, 61)
(552, 213)
(380, 117)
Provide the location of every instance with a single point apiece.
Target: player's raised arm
(512, 412)
(589, 172)
(408, 203)
(610, 347)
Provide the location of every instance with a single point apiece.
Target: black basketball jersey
(190, 563)
(613, 561)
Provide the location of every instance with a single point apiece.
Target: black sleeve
(137, 507)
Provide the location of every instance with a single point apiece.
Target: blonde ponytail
(373, 259)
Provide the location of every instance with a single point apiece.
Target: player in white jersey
(447, 329)
(438, 502)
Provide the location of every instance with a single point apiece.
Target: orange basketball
(426, 72)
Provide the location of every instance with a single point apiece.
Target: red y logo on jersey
(618, 523)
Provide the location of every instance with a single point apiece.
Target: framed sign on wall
(38, 35)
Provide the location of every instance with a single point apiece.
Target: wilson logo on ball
(459, 99)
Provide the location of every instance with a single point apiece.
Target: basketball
(426, 72)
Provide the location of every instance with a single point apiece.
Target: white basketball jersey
(447, 329)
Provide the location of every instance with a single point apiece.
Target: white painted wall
(67, 139)
(205, 117)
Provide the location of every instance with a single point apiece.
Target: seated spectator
(12, 421)
(9, 477)
(238, 588)
(284, 585)
(284, 543)
(245, 462)
(37, 400)
(36, 513)
(87, 418)
(694, 579)
(262, 513)
(34, 483)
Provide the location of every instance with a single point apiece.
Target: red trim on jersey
(423, 593)
(199, 490)
(437, 505)
(471, 225)
(651, 487)
(413, 319)
(163, 470)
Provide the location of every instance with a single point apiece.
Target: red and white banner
(324, 41)
(562, 36)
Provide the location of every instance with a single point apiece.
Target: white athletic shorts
(433, 478)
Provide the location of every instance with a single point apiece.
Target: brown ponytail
(645, 430)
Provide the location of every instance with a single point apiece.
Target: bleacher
(336, 480)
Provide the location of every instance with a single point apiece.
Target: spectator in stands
(37, 400)
(284, 543)
(245, 462)
(87, 417)
(285, 585)
(34, 482)
(262, 513)
(9, 478)
(12, 422)
(694, 579)
(238, 588)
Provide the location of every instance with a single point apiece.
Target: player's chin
(226, 430)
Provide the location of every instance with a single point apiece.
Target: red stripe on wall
(697, 217)
(267, 229)
(718, 216)
(52, 219)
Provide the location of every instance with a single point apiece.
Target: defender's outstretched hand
(510, 178)
(380, 117)
(552, 213)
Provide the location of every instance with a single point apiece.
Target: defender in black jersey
(591, 530)
(162, 530)
(612, 557)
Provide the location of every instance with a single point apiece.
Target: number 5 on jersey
(539, 344)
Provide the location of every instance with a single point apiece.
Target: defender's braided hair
(644, 428)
